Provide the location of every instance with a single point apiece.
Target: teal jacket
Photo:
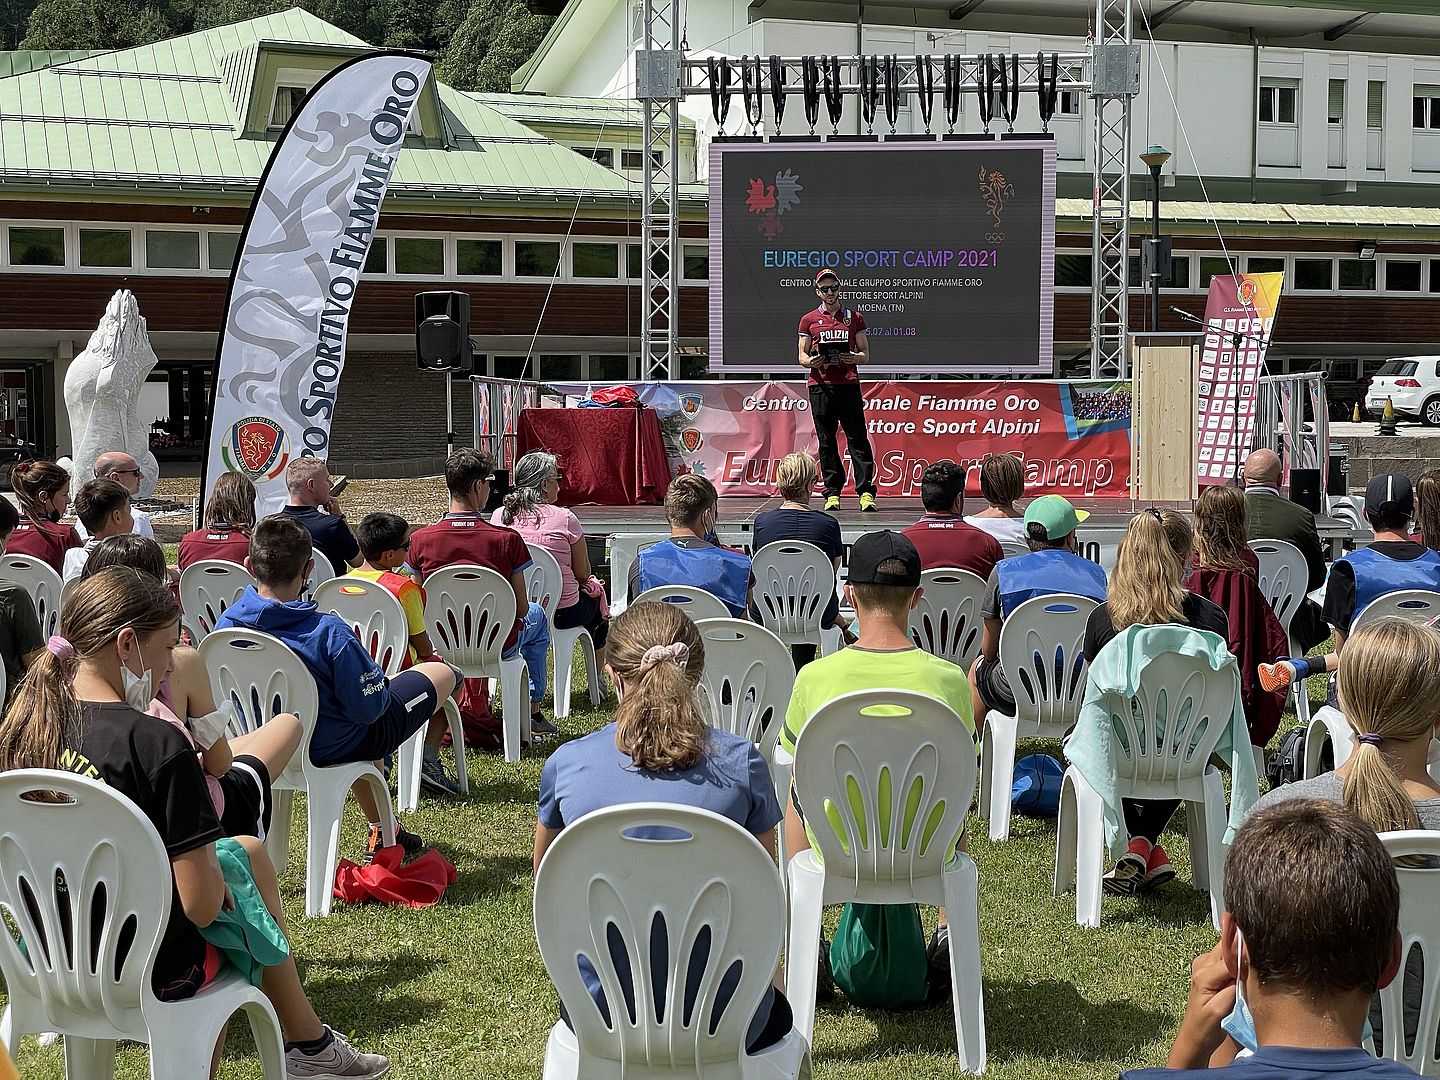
(1115, 672)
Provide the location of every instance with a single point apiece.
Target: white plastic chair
(1163, 740)
(262, 678)
(1042, 656)
(603, 876)
(695, 602)
(863, 757)
(74, 978)
(207, 588)
(1419, 928)
(543, 582)
(320, 573)
(43, 584)
(794, 583)
(377, 618)
(1284, 574)
(1012, 548)
(946, 621)
(1412, 605)
(469, 611)
(1327, 730)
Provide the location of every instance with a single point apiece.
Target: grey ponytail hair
(530, 472)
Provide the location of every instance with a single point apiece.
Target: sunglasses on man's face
(829, 288)
(126, 472)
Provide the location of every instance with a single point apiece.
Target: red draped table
(613, 457)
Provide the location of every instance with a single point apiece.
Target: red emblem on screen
(769, 201)
(1246, 293)
(691, 440)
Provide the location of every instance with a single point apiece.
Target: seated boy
(384, 546)
(103, 507)
(363, 716)
(1309, 933)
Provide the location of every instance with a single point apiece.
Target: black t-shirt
(1200, 614)
(153, 765)
(331, 535)
(811, 526)
(19, 631)
(1339, 608)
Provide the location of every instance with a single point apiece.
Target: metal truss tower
(657, 86)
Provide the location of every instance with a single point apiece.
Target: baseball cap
(869, 552)
(827, 272)
(1390, 491)
(1055, 515)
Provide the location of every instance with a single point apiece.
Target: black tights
(1148, 817)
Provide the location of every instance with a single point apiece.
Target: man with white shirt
(124, 470)
(102, 507)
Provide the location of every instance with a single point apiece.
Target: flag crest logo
(257, 447)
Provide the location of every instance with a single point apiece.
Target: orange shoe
(1276, 676)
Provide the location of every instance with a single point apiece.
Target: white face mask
(139, 690)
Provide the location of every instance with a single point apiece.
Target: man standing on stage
(832, 343)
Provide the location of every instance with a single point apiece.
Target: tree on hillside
(14, 19)
(496, 37)
(95, 24)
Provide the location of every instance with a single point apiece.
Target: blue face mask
(1240, 1025)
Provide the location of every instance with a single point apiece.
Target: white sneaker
(338, 1061)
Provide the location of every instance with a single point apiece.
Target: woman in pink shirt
(531, 511)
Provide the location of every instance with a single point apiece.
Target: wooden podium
(1164, 438)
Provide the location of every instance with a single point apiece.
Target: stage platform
(629, 528)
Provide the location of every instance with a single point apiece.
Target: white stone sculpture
(102, 393)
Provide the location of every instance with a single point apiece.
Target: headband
(60, 648)
(677, 652)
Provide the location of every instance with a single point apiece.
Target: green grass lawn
(458, 990)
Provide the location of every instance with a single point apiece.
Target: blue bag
(1036, 790)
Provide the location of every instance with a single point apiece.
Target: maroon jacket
(1256, 637)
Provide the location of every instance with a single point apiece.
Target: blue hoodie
(354, 692)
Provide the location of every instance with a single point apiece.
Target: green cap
(1055, 515)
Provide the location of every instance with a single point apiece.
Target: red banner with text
(1073, 437)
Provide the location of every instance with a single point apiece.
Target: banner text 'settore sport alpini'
(309, 230)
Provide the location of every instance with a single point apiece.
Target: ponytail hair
(44, 715)
(1389, 688)
(530, 472)
(31, 480)
(658, 654)
(1427, 509)
(1145, 587)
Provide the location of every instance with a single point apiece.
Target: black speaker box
(442, 332)
(1305, 489)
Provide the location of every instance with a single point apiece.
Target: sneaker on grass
(411, 843)
(1158, 870)
(336, 1059)
(434, 777)
(1125, 878)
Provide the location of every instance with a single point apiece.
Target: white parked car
(1412, 384)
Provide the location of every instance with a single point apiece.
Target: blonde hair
(303, 469)
(1002, 480)
(1389, 686)
(688, 496)
(1427, 509)
(658, 722)
(44, 714)
(795, 477)
(1220, 529)
(1145, 588)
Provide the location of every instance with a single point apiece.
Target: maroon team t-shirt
(469, 538)
(841, 328)
(47, 542)
(220, 542)
(943, 540)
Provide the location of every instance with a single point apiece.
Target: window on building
(1315, 275)
(560, 368)
(478, 258)
(601, 155)
(1264, 264)
(221, 250)
(590, 260)
(1068, 104)
(508, 367)
(1357, 274)
(168, 250)
(631, 161)
(1335, 104)
(1435, 275)
(36, 246)
(1278, 99)
(632, 262)
(607, 368)
(1179, 273)
(697, 263)
(420, 255)
(1426, 108)
(1212, 266)
(1072, 271)
(1402, 275)
(105, 247)
(375, 261)
(1375, 105)
(287, 102)
(537, 258)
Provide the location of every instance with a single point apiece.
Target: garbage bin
(1338, 480)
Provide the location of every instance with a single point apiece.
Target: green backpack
(877, 956)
